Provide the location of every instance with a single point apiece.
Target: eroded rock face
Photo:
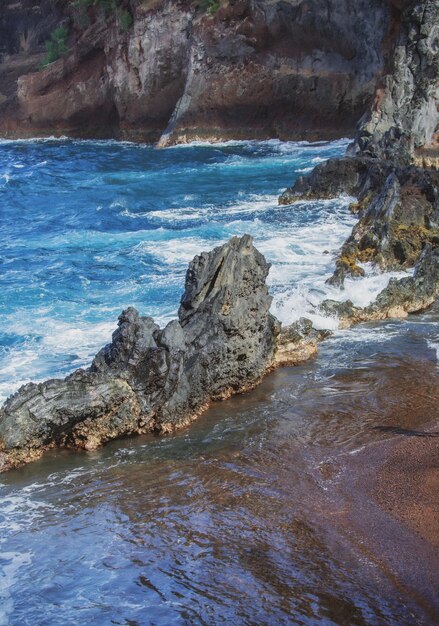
(405, 113)
(398, 209)
(156, 379)
(288, 69)
(397, 218)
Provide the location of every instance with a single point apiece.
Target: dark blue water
(229, 522)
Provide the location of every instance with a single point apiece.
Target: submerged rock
(152, 379)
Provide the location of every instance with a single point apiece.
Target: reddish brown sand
(407, 485)
(390, 509)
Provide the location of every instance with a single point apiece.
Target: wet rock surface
(397, 218)
(398, 209)
(405, 112)
(401, 296)
(152, 379)
(335, 177)
(298, 342)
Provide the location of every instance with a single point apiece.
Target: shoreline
(196, 143)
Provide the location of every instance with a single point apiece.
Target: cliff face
(405, 112)
(254, 69)
(24, 27)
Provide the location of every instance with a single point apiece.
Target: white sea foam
(176, 252)
(61, 336)
(32, 140)
(274, 144)
(253, 204)
(433, 344)
(303, 299)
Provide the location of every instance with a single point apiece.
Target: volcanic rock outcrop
(405, 112)
(401, 296)
(152, 379)
(398, 209)
(397, 202)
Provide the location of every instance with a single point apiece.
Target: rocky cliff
(397, 201)
(179, 70)
(405, 113)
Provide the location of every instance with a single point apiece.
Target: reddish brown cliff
(302, 69)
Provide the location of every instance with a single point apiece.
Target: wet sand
(390, 490)
(407, 485)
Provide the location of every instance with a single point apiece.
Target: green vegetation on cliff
(209, 6)
(57, 45)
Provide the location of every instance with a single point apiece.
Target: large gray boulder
(152, 379)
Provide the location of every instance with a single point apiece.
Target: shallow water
(232, 520)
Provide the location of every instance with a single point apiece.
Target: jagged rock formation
(405, 113)
(398, 204)
(353, 177)
(400, 297)
(288, 69)
(152, 379)
(399, 219)
(398, 209)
